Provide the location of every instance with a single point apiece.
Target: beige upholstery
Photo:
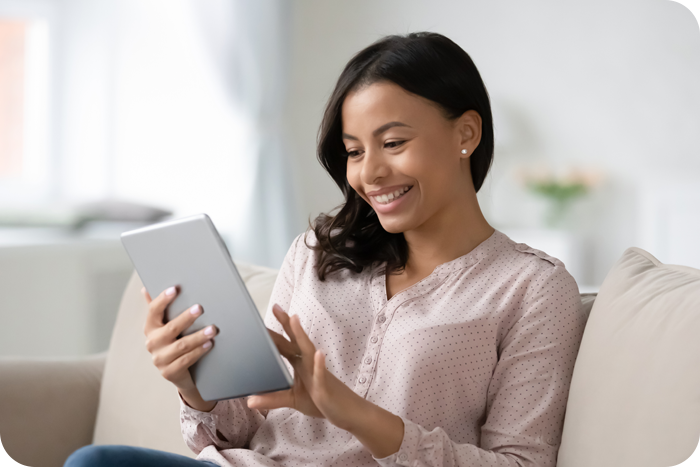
(48, 407)
(53, 403)
(635, 392)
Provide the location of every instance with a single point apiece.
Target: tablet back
(189, 253)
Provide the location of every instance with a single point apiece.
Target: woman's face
(404, 157)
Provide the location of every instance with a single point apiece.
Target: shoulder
(529, 252)
(301, 248)
(542, 287)
(540, 272)
(304, 257)
(525, 260)
(300, 252)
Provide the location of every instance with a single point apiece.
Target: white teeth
(389, 197)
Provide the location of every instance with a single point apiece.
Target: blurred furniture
(51, 407)
(633, 398)
(66, 283)
(669, 224)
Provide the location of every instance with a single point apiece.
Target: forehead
(371, 106)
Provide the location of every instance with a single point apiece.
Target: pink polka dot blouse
(476, 359)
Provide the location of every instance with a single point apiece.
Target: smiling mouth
(389, 197)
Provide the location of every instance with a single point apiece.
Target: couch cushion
(138, 407)
(634, 391)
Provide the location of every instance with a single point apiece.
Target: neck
(453, 232)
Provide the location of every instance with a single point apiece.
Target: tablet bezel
(189, 252)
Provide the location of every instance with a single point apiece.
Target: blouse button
(374, 339)
(382, 319)
(363, 380)
(368, 360)
(403, 457)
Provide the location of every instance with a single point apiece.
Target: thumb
(319, 369)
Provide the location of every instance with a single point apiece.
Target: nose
(374, 167)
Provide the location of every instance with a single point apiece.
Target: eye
(394, 144)
(352, 154)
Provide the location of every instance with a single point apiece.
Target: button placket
(370, 357)
(385, 312)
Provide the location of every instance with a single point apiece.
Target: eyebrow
(379, 130)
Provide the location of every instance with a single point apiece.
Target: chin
(394, 227)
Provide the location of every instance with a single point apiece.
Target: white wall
(604, 83)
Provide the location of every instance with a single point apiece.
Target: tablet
(190, 254)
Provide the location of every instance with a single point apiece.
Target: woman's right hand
(172, 356)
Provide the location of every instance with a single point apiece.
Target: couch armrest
(48, 406)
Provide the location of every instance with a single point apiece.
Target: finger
(174, 350)
(283, 318)
(287, 349)
(273, 400)
(182, 322)
(305, 345)
(176, 369)
(146, 294)
(156, 309)
(171, 332)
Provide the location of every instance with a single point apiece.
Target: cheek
(434, 169)
(352, 174)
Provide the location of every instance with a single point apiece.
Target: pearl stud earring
(464, 151)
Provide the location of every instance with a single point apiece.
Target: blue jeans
(129, 456)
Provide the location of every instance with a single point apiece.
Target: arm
(230, 423)
(528, 391)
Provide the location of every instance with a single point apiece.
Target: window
(23, 110)
(12, 35)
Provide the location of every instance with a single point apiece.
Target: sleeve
(529, 388)
(231, 424)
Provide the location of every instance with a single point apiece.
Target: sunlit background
(119, 113)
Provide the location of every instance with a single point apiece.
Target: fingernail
(143, 290)
(209, 331)
(207, 344)
(170, 291)
(195, 310)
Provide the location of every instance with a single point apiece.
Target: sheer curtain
(248, 43)
(199, 90)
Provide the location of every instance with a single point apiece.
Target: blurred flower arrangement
(559, 188)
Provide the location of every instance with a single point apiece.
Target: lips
(387, 198)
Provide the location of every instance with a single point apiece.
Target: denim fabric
(129, 456)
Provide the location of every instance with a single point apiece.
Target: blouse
(476, 359)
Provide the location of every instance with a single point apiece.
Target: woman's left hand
(316, 392)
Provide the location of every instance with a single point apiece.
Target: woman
(417, 333)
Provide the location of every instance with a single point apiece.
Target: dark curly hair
(423, 63)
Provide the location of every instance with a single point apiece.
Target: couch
(634, 398)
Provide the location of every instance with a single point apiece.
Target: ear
(468, 126)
